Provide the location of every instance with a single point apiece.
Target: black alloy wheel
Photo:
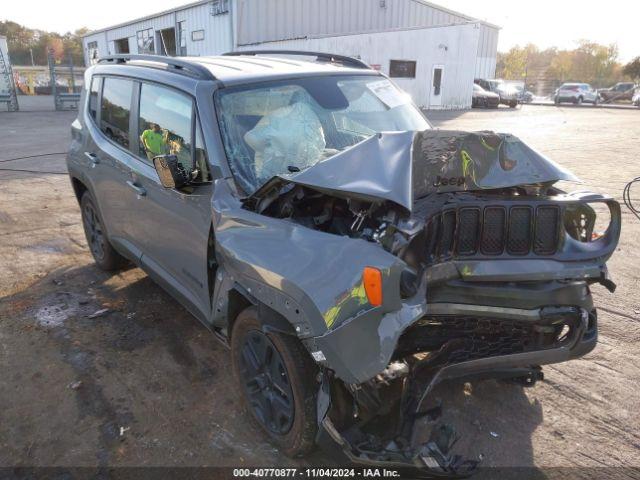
(267, 383)
(94, 232)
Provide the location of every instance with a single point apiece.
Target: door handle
(93, 158)
(139, 190)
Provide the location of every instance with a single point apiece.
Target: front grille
(453, 339)
(493, 231)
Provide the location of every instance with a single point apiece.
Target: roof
(147, 17)
(249, 68)
(202, 2)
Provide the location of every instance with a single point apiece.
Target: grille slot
(519, 240)
(545, 239)
(468, 227)
(447, 235)
(492, 242)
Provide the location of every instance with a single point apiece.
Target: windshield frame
(283, 81)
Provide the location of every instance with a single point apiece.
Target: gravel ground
(144, 384)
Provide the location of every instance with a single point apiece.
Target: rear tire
(255, 355)
(102, 251)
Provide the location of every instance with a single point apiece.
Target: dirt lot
(146, 384)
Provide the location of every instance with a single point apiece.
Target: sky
(545, 23)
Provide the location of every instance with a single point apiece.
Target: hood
(455, 161)
(403, 166)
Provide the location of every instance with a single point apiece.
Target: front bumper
(424, 372)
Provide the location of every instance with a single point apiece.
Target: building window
(218, 7)
(402, 68)
(92, 50)
(145, 41)
(197, 35)
(182, 38)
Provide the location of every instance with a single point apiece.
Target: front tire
(103, 252)
(277, 379)
(579, 101)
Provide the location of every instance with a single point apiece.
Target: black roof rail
(320, 56)
(178, 66)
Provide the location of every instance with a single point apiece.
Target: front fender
(312, 278)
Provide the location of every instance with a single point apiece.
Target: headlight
(587, 222)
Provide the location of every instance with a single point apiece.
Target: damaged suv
(351, 256)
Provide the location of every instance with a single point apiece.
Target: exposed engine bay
(501, 257)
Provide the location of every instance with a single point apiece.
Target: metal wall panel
(487, 52)
(217, 32)
(272, 20)
(426, 46)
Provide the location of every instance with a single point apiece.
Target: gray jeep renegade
(303, 209)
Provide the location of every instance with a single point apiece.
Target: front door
(436, 86)
(173, 225)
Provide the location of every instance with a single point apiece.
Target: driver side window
(166, 127)
(165, 124)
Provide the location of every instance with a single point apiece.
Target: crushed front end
(486, 268)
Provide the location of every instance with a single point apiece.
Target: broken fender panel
(321, 273)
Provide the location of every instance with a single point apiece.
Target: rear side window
(115, 109)
(93, 97)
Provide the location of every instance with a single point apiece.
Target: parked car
(483, 98)
(620, 91)
(349, 255)
(526, 96)
(508, 93)
(576, 93)
(635, 100)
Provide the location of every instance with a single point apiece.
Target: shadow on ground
(144, 383)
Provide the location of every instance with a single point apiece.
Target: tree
(632, 69)
(595, 63)
(515, 63)
(24, 42)
(561, 66)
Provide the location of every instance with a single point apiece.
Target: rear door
(109, 157)
(589, 93)
(173, 225)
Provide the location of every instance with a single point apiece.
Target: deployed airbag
(288, 136)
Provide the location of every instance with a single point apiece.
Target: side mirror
(171, 172)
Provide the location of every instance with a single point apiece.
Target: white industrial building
(431, 52)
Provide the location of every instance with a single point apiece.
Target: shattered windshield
(283, 127)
